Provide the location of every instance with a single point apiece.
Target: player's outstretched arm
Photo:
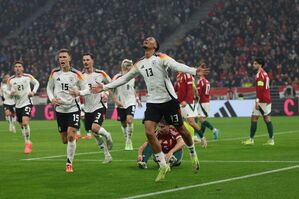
(174, 65)
(116, 83)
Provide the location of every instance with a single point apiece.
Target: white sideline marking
(46, 128)
(264, 135)
(77, 154)
(201, 161)
(225, 139)
(212, 182)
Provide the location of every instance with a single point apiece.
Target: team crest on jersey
(154, 62)
(72, 79)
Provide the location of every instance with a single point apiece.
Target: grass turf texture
(224, 159)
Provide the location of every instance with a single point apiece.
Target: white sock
(103, 132)
(14, 120)
(192, 150)
(26, 133)
(98, 138)
(101, 144)
(70, 151)
(160, 157)
(124, 131)
(129, 130)
(10, 120)
(104, 148)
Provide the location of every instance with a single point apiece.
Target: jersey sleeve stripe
(116, 77)
(163, 56)
(52, 72)
(103, 73)
(78, 73)
(10, 78)
(28, 75)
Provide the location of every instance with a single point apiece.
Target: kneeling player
(171, 142)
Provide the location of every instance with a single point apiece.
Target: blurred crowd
(235, 32)
(110, 29)
(227, 40)
(12, 13)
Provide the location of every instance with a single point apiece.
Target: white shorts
(190, 110)
(203, 109)
(265, 109)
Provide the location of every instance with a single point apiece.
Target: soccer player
(262, 103)
(171, 143)
(185, 92)
(94, 106)
(125, 99)
(67, 110)
(19, 86)
(161, 98)
(8, 104)
(203, 89)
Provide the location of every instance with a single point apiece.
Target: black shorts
(170, 110)
(123, 112)
(97, 117)
(65, 120)
(24, 111)
(11, 108)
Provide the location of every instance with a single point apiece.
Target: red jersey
(262, 82)
(183, 87)
(169, 140)
(203, 88)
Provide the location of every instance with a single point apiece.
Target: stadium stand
(13, 12)
(237, 31)
(110, 29)
(232, 34)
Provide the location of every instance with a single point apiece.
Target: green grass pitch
(44, 176)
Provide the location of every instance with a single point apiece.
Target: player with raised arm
(262, 103)
(125, 99)
(8, 105)
(67, 109)
(161, 98)
(19, 87)
(203, 89)
(94, 106)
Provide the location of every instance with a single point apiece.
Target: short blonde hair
(126, 62)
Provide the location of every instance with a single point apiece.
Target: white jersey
(21, 85)
(154, 72)
(126, 92)
(5, 92)
(60, 83)
(92, 102)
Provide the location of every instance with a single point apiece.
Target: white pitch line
(44, 128)
(264, 135)
(201, 161)
(212, 182)
(226, 139)
(77, 154)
